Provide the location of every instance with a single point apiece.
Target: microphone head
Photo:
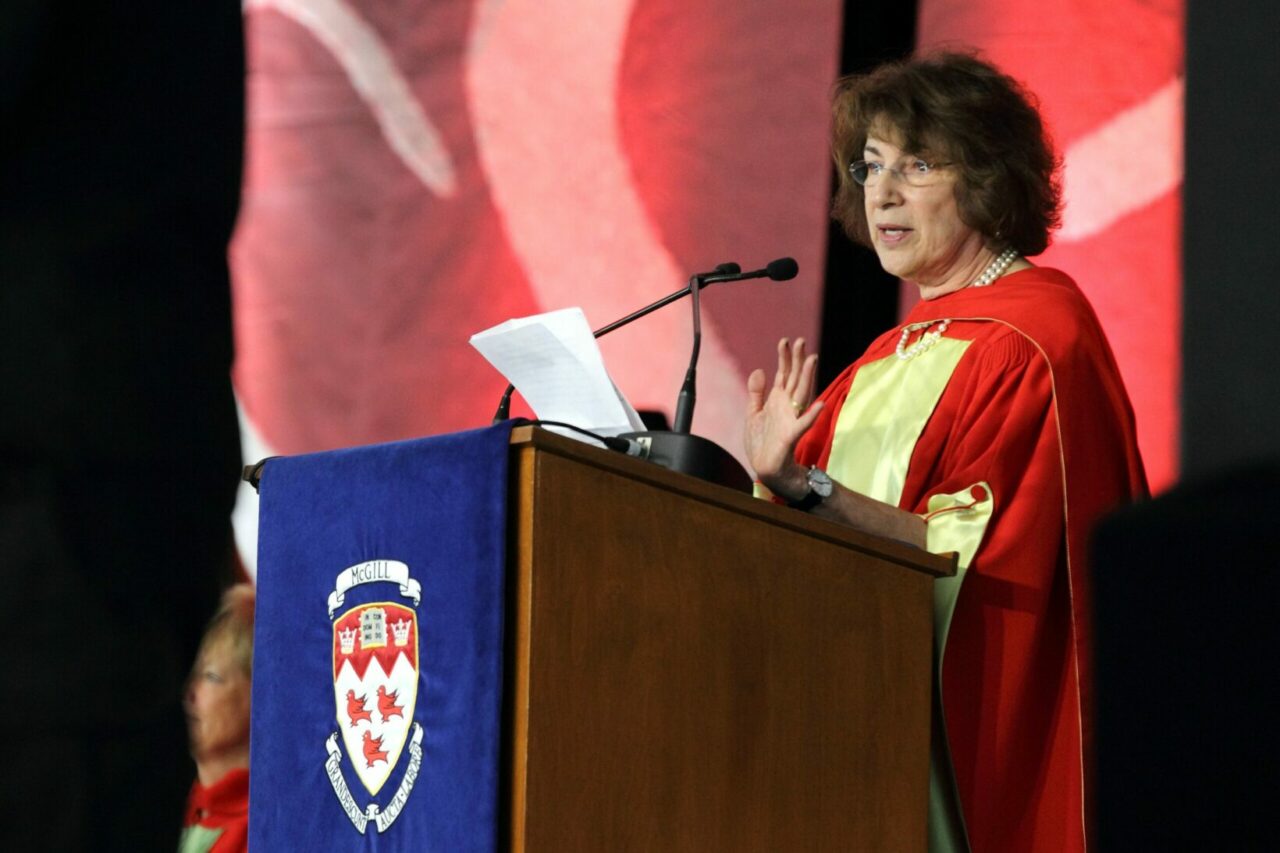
(783, 269)
(728, 269)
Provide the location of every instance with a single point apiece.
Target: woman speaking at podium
(993, 423)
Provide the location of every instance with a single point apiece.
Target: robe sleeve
(1010, 675)
(995, 425)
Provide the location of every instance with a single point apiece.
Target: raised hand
(778, 416)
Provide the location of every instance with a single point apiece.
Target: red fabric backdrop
(418, 170)
(1109, 76)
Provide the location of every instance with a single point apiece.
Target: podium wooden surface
(690, 668)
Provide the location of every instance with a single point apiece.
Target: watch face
(820, 482)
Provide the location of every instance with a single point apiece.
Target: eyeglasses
(916, 173)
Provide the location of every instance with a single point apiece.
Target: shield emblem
(375, 684)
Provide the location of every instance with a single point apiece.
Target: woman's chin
(894, 266)
(890, 260)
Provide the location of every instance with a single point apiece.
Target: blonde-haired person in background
(217, 706)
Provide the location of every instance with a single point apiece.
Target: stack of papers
(555, 364)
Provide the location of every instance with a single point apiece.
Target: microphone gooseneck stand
(724, 272)
(679, 449)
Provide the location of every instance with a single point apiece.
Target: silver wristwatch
(820, 488)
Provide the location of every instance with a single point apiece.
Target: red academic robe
(1036, 410)
(217, 818)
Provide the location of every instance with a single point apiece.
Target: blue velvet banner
(377, 673)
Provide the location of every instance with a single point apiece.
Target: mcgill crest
(375, 685)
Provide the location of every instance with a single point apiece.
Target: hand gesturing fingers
(796, 373)
(755, 392)
(776, 419)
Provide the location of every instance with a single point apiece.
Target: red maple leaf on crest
(355, 708)
(387, 704)
(373, 748)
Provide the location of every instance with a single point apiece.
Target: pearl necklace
(930, 337)
(927, 340)
(997, 267)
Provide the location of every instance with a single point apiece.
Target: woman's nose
(884, 193)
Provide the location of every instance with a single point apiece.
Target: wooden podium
(690, 668)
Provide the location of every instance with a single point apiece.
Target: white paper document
(555, 364)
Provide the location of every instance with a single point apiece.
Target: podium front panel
(683, 676)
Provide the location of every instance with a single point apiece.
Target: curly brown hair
(957, 108)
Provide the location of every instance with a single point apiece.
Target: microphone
(679, 449)
(722, 273)
(683, 421)
(782, 269)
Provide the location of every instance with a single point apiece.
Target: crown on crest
(400, 632)
(347, 640)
